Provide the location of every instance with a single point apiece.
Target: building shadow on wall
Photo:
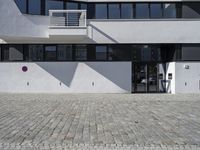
(103, 33)
(60, 70)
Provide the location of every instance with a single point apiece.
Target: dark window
(119, 52)
(114, 11)
(142, 10)
(126, 11)
(50, 53)
(101, 52)
(169, 10)
(101, 11)
(72, 5)
(12, 52)
(35, 52)
(34, 7)
(145, 53)
(190, 52)
(53, 4)
(156, 10)
(191, 10)
(83, 6)
(21, 5)
(73, 18)
(64, 52)
(91, 11)
(81, 52)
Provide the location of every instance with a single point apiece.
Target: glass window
(191, 10)
(73, 18)
(169, 10)
(101, 52)
(142, 10)
(145, 53)
(83, 6)
(114, 11)
(156, 10)
(53, 4)
(72, 5)
(81, 52)
(36, 52)
(101, 11)
(12, 52)
(127, 11)
(34, 7)
(21, 5)
(64, 52)
(119, 52)
(191, 52)
(50, 53)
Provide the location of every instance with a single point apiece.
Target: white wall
(188, 80)
(66, 77)
(145, 31)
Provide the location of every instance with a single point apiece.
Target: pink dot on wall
(24, 68)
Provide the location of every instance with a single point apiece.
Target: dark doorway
(145, 78)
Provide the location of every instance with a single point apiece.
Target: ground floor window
(100, 52)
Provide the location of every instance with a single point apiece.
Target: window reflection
(35, 52)
(156, 10)
(101, 52)
(169, 10)
(34, 7)
(114, 11)
(81, 52)
(142, 10)
(53, 4)
(127, 11)
(21, 5)
(101, 11)
(50, 53)
(64, 52)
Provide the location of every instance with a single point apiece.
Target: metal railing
(67, 18)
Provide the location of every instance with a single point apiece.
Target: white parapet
(66, 77)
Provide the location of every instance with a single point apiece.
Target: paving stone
(100, 121)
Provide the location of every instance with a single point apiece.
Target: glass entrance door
(145, 78)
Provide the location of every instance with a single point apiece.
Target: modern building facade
(99, 46)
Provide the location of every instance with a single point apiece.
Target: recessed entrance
(144, 77)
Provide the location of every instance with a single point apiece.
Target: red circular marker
(24, 68)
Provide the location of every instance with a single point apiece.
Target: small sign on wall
(170, 76)
(24, 68)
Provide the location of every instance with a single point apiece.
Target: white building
(93, 46)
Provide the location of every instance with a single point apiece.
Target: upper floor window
(53, 4)
(114, 11)
(22, 5)
(101, 11)
(156, 10)
(169, 10)
(127, 11)
(34, 7)
(142, 10)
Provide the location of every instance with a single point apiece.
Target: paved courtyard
(99, 121)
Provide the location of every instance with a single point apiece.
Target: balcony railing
(67, 18)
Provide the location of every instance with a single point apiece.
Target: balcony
(70, 24)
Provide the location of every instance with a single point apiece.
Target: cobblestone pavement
(99, 121)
